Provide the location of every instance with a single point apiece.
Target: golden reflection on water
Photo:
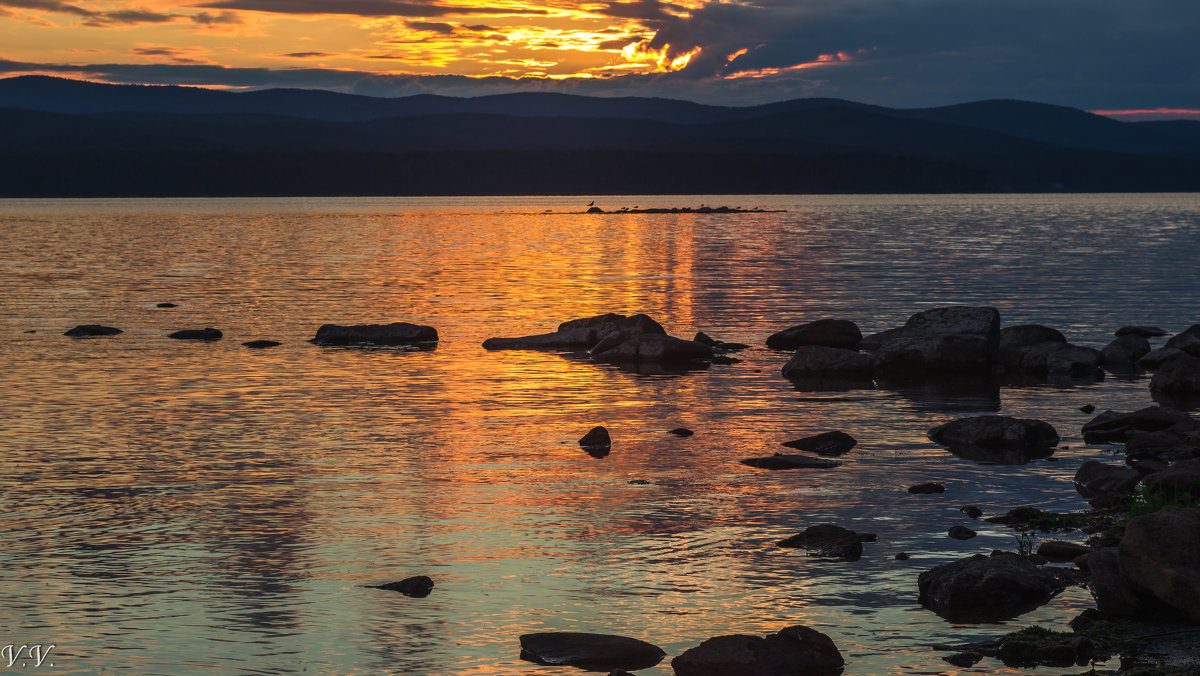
(177, 507)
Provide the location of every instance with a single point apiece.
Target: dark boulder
(196, 334)
(1110, 426)
(397, 333)
(581, 334)
(87, 330)
(418, 586)
(1115, 595)
(820, 362)
(1181, 477)
(652, 348)
(927, 488)
(1186, 339)
(596, 442)
(261, 344)
(1156, 358)
(1125, 351)
(165, 305)
(705, 339)
(1060, 551)
(1095, 479)
(1142, 331)
(828, 443)
(961, 533)
(1053, 360)
(1179, 377)
(1161, 554)
(986, 589)
(593, 652)
(944, 342)
(1026, 335)
(1087, 408)
(840, 333)
(681, 432)
(794, 651)
(997, 438)
(971, 511)
(1180, 441)
(873, 342)
(827, 541)
(782, 461)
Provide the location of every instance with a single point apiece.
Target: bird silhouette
(591, 203)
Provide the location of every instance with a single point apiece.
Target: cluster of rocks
(396, 334)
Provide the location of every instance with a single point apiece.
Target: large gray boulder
(986, 589)
(1125, 350)
(997, 438)
(794, 651)
(396, 333)
(944, 342)
(648, 347)
(1161, 554)
(827, 363)
(593, 652)
(841, 333)
(581, 334)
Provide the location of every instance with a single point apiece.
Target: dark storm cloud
(430, 26)
(362, 8)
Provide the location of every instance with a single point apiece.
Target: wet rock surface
(418, 586)
(650, 348)
(1113, 427)
(583, 333)
(828, 363)
(87, 330)
(786, 461)
(395, 334)
(1161, 554)
(986, 589)
(829, 541)
(828, 443)
(943, 342)
(593, 652)
(1140, 330)
(596, 442)
(261, 344)
(1125, 350)
(1178, 377)
(961, 533)
(1094, 479)
(790, 652)
(997, 439)
(839, 333)
(1059, 551)
(927, 488)
(197, 334)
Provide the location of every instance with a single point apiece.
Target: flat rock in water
(986, 589)
(583, 333)
(1111, 426)
(651, 348)
(417, 586)
(1062, 552)
(593, 652)
(705, 339)
(1143, 331)
(86, 330)
(396, 333)
(840, 333)
(997, 439)
(1157, 357)
(961, 533)
(1025, 335)
(682, 432)
(828, 443)
(196, 334)
(166, 305)
(261, 344)
(927, 488)
(827, 541)
(782, 461)
(794, 651)
(1094, 479)
(821, 362)
(971, 511)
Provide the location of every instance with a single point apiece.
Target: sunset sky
(1112, 55)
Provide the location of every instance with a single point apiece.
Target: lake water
(173, 507)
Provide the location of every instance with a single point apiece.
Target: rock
(682, 432)
(927, 488)
(417, 586)
(196, 334)
(1026, 335)
(397, 333)
(1058, 360)
(1181, 477)
(650, 348)
(839, 333)
(87, 330)
(260, 344)
(705, 339)
(964, 660)
(596, 441)
(794, 651)
(986, 589)
(950, 341)
(827, 541)
(1185, 339)
(1087, 408)
(873, 342)
(1111, 426)
(584, 333)
(1143, 331)
(1156, 358)
(820, 362)
(997, 433)
(1125, 351)
(594, 210)
(593, 652)
(1178, 377)
(828, 443)
(901, 556)
(166, 305)
(1161, 554)
(1180, 441)
(961, 533)
(1094, 479)
(971, 511)
(782, 461)
(1060, 551)
(1115, 595)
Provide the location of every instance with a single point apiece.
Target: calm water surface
(176, 507)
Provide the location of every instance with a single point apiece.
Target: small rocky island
(702, 209)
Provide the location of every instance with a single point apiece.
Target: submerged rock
(705, 339)
(418, 586)
(993, 435)
(927, 488)
(260, 344)
(986, 589)
(396, 333)
(166, 305)
(584, 333)
(782, 461)
(681, 432)
(196, 334)
(650, 348)
(794, 651)
(839, 333)
(828, 541)
(961, 533)
(828, 443)
(87, 330)
(593, 652)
